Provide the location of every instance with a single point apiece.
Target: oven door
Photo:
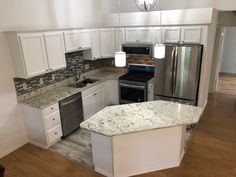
(132, 93)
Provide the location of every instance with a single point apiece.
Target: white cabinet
(112, 92)
(34, 54)
(172, 34)
(138, 35)
(55, 50)
(77, 40)
(93, 100)
(150, 91)
(107, 43)
(43, 126)
(88, 105)
(96, 52)
(119, 39)
(157, 35)
(192, 34)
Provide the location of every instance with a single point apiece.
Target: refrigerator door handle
(173, 67)
(175, 71)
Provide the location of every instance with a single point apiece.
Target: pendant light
(160, 49)
(147, 5)
(120, 56)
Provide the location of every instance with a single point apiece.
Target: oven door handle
(133, 86)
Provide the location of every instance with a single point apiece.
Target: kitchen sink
(83, 83)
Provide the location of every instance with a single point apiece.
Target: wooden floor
(227, 84)
(212, 152)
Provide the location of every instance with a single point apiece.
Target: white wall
(109, 6)
(228, 64)
(24, 14)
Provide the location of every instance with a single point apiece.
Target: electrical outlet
(41, 81)
(24, 86)
(86, 67)
(53, 77)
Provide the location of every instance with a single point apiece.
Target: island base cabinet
(137, 153)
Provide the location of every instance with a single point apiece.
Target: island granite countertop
(130, 118)
(50, 97)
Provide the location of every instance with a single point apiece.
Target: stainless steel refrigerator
(177, 75)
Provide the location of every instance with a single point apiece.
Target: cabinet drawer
(52, 120)
(51, 109)
(54, 134)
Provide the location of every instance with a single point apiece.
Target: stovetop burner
(137, 76)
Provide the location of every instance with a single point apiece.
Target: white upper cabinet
(156, 35)
(138, 35)
(172, 34)
(145, 35)
(119, 39)
(96, 52)
(34, 54)
(55, 50)
(192, 34)
(77, 40)
(131, 35)
(107, 43)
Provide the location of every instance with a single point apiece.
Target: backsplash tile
(73, 60)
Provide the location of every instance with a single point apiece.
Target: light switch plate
(24, 86)
(86, 66)
(53, 77)
(41, 81)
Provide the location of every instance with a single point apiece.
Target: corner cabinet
(107, 43)
(34, 54)
(76, 40)
(172, 34)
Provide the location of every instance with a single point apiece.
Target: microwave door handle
(132, 86)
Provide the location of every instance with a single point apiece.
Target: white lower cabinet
(43, 126)
(150, 94)
(93, 100)
(112, 92)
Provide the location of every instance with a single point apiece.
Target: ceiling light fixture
(120, 57)
(160, 49)
(146, 5)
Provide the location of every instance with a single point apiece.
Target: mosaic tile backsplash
(73, 60)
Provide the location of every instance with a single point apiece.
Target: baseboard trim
(12, 149)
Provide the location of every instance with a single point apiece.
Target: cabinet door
(55, 50)
(96, 53)
(157, 35)
(172, 34)
(131, 35)
(85, 39)
(107, 43)
(112, 92)
(119, 40)
(34, 53)
(192, 34)
(88, 106)
(99, 99)
(145, 35)
(72, 41)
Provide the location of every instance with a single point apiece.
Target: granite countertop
(130, 118)
(57, 94)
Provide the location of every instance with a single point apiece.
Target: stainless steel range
(133, 85)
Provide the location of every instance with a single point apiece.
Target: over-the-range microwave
(138, 49)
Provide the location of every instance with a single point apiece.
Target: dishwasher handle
(70, 100)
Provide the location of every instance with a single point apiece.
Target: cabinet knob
(52, 108)
(53, 119)
(55, 133)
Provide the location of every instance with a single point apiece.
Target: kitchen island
(139, 138)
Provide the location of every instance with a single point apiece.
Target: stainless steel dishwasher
(71, 110)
